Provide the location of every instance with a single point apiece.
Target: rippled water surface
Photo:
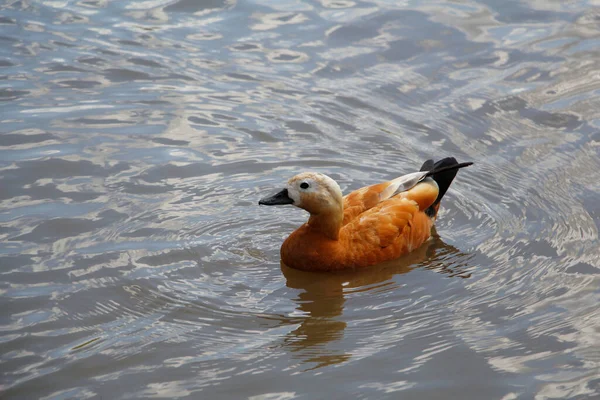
(137, 136)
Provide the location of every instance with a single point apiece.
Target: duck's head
(314, 192)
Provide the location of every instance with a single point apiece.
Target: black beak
(277, 199)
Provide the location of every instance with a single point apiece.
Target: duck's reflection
(323, 295)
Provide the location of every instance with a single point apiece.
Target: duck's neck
(327, 223)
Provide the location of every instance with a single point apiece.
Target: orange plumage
(368, 226)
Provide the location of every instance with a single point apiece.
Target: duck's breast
(308, 250)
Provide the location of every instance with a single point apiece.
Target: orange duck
(370, 225)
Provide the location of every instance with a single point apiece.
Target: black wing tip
(443, 173)
(463, 164)
(427, 165)
(446, 164)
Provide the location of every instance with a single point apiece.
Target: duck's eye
(304, 185)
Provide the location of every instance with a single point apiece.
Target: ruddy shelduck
(370, 225)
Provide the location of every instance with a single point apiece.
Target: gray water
(138, 136)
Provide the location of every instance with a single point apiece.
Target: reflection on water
(323, 295)
(136, 138)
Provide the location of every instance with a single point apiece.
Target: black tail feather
(443, 173)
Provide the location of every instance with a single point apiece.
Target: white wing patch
(402, 184)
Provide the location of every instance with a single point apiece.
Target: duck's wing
(388, 230)
(361, 200)
(379, 226)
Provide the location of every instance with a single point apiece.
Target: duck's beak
(277, 199)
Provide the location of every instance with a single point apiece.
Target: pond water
(137, 137)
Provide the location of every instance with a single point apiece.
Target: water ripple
(137, 137)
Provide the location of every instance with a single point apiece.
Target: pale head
(316, 193)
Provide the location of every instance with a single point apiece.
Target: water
(138, 136)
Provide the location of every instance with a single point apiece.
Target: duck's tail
(443, 173)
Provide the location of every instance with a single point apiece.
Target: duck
(368, 226)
